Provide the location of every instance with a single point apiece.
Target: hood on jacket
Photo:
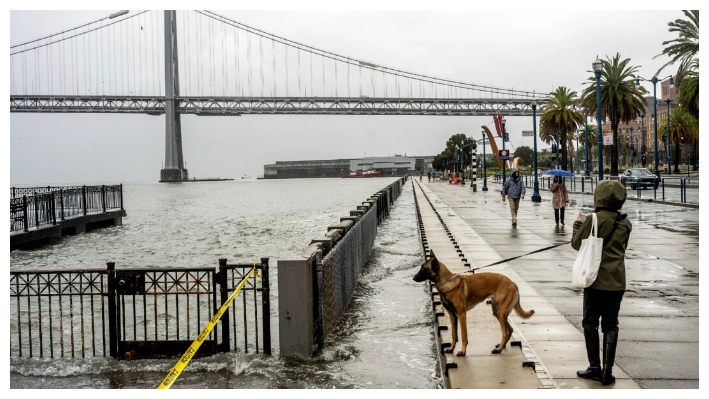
(610, 195)
(513, 170)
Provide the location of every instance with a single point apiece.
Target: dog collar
(447, 281)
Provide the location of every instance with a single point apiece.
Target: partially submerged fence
(315, 291)
(136, 313)
(32, 207)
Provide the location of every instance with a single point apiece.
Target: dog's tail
(521, 312)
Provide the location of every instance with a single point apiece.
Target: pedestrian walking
(514, 189)
(559, 198)
(420, 176)
(429, 176)
(601, 300)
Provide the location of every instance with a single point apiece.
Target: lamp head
(672, 82)
(597, 65)
(504, 120)
(668, 101)
(637, 81)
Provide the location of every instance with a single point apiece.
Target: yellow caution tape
(185, 359)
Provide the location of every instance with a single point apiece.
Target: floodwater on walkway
(384, 341)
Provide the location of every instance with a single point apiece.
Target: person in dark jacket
(601, 300)
(514, 190)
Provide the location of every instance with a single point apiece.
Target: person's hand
(503, 199)
(578, 218)
(522, 196)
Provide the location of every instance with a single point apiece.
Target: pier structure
(43, 215)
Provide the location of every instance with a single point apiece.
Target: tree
(689, 100)
(621, 100)
(440, 161)
(684, 47)
(682, 124)
(560, 117)
(526, 153)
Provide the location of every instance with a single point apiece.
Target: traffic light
(681, 139)
(553, 158)
(632, 147)
(635, 153)
(553, 148)
(644, 160)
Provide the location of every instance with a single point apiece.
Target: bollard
(24, 212)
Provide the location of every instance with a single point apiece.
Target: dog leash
(509, 259)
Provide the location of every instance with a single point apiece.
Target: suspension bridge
(128, 63)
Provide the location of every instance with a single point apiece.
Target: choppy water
(385, 340)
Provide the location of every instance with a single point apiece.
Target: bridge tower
(174, 170)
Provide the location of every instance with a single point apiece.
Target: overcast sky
(525, 49)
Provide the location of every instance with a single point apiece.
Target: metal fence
(342, 266)
(37, 206)
(136, 313)
(337, 273)
(666, 189)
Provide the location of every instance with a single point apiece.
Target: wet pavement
(659, 317)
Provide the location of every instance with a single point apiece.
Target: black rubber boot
(593, 372)
(610, 340)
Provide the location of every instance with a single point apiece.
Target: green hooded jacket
(608, 199)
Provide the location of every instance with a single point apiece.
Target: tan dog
(461, 292)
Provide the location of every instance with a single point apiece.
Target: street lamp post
(642, 134)
(462, 163)
(504, 162)
(597, 68)
(654, 81)
(484, 165)
(578, 163)
(535, 197)
(669, 145)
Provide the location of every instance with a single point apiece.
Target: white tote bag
(589, 259)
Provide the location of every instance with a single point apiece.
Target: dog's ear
(433, 256)
(434, 265)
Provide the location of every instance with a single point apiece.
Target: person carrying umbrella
(560, 196)
(514, 190)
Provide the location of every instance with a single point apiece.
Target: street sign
(607, 137)
(504, 155)
(527, 133)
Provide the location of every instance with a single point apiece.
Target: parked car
(641, 176)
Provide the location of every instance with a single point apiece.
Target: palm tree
(689, 100)
(689, 90)
(560, 117)
(684, 47)
(621, 100)
(681, 124)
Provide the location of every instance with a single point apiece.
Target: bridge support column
(174, 170)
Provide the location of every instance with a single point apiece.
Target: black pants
(604, 305)
(556, 214)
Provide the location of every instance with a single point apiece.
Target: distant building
(397, 165)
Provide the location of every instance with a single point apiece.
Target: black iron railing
(137, 313)
(31, 207)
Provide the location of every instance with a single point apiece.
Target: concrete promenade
(659, 318)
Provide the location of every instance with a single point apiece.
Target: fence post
(266, 307)
(83, 197)
(61, 202)
(663, 189)
(224, 296)
(103, 197)
(36, 211)
(24, 212)
(54, 210)
(121, 196)
(13, 192)
(112, 310)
